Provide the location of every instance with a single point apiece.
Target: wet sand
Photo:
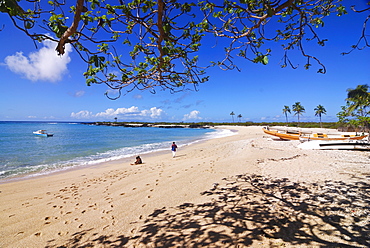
(237, 191)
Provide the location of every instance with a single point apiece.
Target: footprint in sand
(62, 233)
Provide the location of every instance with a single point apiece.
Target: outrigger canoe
(296, 135)
(360, 145)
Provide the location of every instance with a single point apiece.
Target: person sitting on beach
(138, 160)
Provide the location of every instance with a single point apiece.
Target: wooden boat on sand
(297, 135)
(287, 135)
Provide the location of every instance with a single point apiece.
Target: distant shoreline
(208, 124)
(125, 124)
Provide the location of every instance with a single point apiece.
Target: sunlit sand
(237, 191)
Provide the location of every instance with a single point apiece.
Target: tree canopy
(148, 44)
(298, 109)
(286, 110)
(319, 111)
(357, 107)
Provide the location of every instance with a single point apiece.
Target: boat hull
(336, 145)
(306, 137)
(286, 136)
(42, 133)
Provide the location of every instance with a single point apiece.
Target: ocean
(23, 154)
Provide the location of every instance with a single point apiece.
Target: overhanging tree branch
(72, 29)
(145, 45)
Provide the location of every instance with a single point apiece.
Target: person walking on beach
(173, 148)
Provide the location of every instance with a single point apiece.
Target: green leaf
(265, 60)
(28, 24)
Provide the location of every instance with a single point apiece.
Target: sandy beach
(245, 190)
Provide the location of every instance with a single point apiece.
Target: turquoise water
(74, 144)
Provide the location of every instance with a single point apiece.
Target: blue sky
(37, 85)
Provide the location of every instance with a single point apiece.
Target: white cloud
(79, 93)
(138, 96)
(44, 64)
(153, 112)
(84, 114)
(120, 112)
(193, 115)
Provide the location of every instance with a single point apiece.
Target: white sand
(237, 191)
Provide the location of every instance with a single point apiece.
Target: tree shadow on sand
(258, 211)
(251, 210)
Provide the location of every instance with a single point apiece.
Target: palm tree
(360, 91)
(240, 117)
(286, 110)
(232, 115)
(359, 97)
(358, 101)
(298, 109)
(320, 110)
(115, 118)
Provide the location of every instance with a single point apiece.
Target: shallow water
(75, 144)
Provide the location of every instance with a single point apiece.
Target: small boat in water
(43, 133)
(302, 136)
